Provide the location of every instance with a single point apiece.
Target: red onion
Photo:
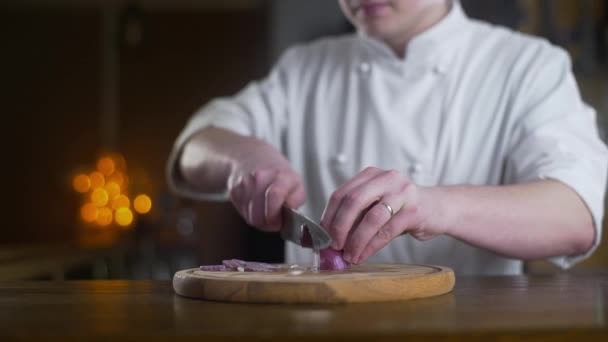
(245, 266)
(216, 268)
(306, 239)
(331, 260)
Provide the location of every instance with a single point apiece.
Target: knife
(303, 231)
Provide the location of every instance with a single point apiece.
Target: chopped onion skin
(236, 265)
(306, 240)
(215, 268)
(331, 260)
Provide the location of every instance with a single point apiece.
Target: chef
(426, 137)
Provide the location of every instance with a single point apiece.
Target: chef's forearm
(209, 157)
(527, 221)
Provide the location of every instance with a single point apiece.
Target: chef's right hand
(260, 185)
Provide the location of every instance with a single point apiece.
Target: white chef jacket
(470, 103)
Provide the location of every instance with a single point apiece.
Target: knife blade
(295, 227)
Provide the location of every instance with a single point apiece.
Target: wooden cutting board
(361, 283)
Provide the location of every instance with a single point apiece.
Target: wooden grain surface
(358, 284)
(540, 308)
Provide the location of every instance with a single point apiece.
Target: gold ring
(389, 208)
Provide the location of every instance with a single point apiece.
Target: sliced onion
(331, 260)
(242, 266)
(214, 268)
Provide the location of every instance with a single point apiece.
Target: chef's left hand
(361, 224)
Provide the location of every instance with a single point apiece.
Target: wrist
(440, 210)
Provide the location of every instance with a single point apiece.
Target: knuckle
(336, 196)
(385, 234)
(392, 173)
(371, 169)
(352, 200)
(404, 185)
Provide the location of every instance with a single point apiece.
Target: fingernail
(347, 257)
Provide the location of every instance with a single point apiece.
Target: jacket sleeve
(556, 137)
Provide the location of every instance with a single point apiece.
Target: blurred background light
(123, 216)
(106, 166)
(142, 204)
(97, 180)
(104, 218)
(112, 189)
(81, 183)
(99, 197)
(89, 212)
(121, 201)
(118, 178)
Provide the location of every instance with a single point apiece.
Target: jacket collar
(431, 48)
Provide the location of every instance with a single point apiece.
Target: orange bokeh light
(142, 204)
(106, 166)
(89, 212)
(97, 180)
(99, 197)
(118, 178)
(119, 161)
(121, 201)
(113, 190)
(104, 217)
(81, 183)
(123, 217)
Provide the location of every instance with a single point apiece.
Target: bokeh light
(106, 166)
(106, 192)
(113, 190)
(97, 180)
(99, 197)
(121, 201)
(142, 204)
(89, 212)
(119, 161)
(81, 183)
(104, 216)
(118, 178)
(123, 216)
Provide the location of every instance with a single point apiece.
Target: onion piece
(331, 260)
(214, 268)
(243, 266)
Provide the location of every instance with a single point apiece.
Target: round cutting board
(360, 283)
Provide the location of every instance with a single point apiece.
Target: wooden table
(554, 307)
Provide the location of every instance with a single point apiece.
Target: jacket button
(415, 168)
(340, 158)
(365, 67)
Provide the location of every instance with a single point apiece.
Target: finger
(297, 197)
(359, 199)
(336, 197)
(373, 220)
(238, 197)
(260, 180)
(396, 226)
(276, 195)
